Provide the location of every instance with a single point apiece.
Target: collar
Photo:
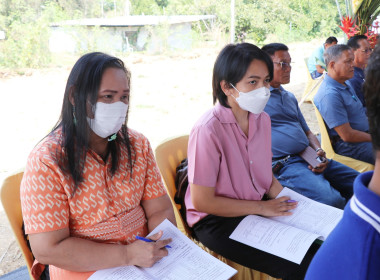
(98, 158)
(365, 203)
(359, 71)
(225, 115)
(276, 90)
(334, 83)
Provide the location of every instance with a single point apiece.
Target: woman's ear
(226, 87)
(71, 96)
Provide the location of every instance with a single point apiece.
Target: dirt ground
(169, 93)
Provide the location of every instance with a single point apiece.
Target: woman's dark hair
(232, 64)
(371, 89)
(83, 87)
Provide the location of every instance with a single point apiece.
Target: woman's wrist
(127, 254)
(259, 208)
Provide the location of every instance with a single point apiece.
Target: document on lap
(186, 260)
(289, 237)
(310, 215)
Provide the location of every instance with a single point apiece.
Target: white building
(124, 33)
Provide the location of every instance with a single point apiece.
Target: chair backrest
(306, 60)
(325, 138)
(169, 155)
(358, 165)
(10, 198)
(311, 87)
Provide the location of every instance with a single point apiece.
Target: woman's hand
(146, 254)
(205, 200)
(277, 207)
(60, 249)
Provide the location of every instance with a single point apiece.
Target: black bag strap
(181, 184)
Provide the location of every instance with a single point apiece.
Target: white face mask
(253, 101)
(108, 118)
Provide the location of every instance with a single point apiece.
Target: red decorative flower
(347, 23)
(350, 30)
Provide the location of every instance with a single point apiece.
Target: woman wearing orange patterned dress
(92, 184)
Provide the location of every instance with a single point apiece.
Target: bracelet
(318, 149)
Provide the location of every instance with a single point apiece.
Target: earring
(74, 118)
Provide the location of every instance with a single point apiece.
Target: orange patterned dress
(105, 208)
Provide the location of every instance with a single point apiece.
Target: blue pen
(290, 200)
(353, 95)
(148, 240)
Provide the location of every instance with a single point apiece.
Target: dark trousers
(214, 232)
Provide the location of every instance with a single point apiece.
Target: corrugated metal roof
(134, 20)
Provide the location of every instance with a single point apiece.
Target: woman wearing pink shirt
(230, 162)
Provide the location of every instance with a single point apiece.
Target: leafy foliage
(367, 13)
(258, 20)
(26, 23)
(27, 29)
(360, 20)
(162, 3)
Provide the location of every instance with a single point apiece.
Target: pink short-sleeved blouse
(220, 155)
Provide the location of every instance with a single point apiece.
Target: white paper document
(289, 237)
(310, 215)
(185, 261)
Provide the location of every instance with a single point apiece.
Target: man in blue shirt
(362, 51)
(330, 182)
(341, 109)
(316, 62)
(352, 250)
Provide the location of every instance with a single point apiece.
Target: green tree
(26, 23)
(146, 7)
(162, 3)
(257, 19)
(27, 29)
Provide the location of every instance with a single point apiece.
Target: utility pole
(232, 31)
(340, 13)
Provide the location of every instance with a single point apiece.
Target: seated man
(316, 63)
(330, 182)
(341, 109)
(362, 51)
(352, 250)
